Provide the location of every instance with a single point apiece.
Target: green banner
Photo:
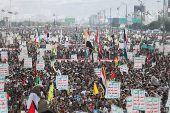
(122, 20)
(136, 20)
(69, 19)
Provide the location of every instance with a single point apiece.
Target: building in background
(6, 20)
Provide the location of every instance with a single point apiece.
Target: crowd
(81, 75)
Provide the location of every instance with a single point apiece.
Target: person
(35, 96)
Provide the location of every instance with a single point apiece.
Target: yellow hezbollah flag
(54, 69)
(50, 93)
(95, 49)
(85, 36)
(116, 62)
(95, 90)
(68, 92)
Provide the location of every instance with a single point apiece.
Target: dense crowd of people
(81, 75)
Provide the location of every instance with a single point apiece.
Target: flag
(116, 62)
(30, 42)
(32, 108)
(85, 36)
(47, 35)
(5, 60)
(100, 53)
(169, 78)
(86, 54)
(37, 36)
(91, 105)
(54, 69)
(23, 81)
(137, 50)
(68, 92)
(95, 49)
(3, 10)
(99, 63)
(88, 43)
(7, 95)
(50, 93)
(103, 80)
(95, 90)
(76, 34)
(125, 47)
(9, 12)
(112, 36)
(148, 60)
(97, 36)
(113, 76)
(36, 76)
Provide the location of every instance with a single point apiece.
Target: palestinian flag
(37, 36)
(97, 36)
(9, 12)
(100, 52)
(88, 43)
(3, 10)
(99, 63)
(148, 60)
(160, 12)
(147, 13)
(76, 34)
(113, 76)
(32, 108)
(103, 80)
(36, 76)
(47, 34)
(125, 47)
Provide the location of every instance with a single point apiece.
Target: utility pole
(163, 24)
(118, 11)
(104, 15)
(126, 12)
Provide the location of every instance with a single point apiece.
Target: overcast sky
(77, 8)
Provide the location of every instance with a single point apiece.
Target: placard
(97, 71)
(130, 55)
(74, 57)
(4, 70)
(20, 57)
(2, 82)
(138, 99)
(152, 105)
(115, 109)
(121, 45)
(41, 52)
(137, 63)
(128, 46)
(112, 90)
(39, 57)
(95, 57)
(40, 65)
(3, 102)
(143, 59)
(129, 105)
(48, 47)
(62, 82)
(4, 55)
(27, 62)
(168, 101)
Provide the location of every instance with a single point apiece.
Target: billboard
(137, 12)
(69, 19)
(166, 8)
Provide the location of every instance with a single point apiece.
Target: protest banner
(136, 47)
(121, 45)
(4, 70)
(95, 57)
(137, 62)
(97, 71)
(40, 65)
(66, 44)
(128, 45)
(160, 48)
(167, 48)
(129, 105)
(143, 59)
(112, 90)
(3, 102)
(39, 57)
(62, 82)
(130, 55)
(4, 55)
(20, 57)
(27, 62)
(41, 51)
(115, 109)
(74, 57)
(138, 99)
(152, 105)
(2, 82)
(48, 47)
